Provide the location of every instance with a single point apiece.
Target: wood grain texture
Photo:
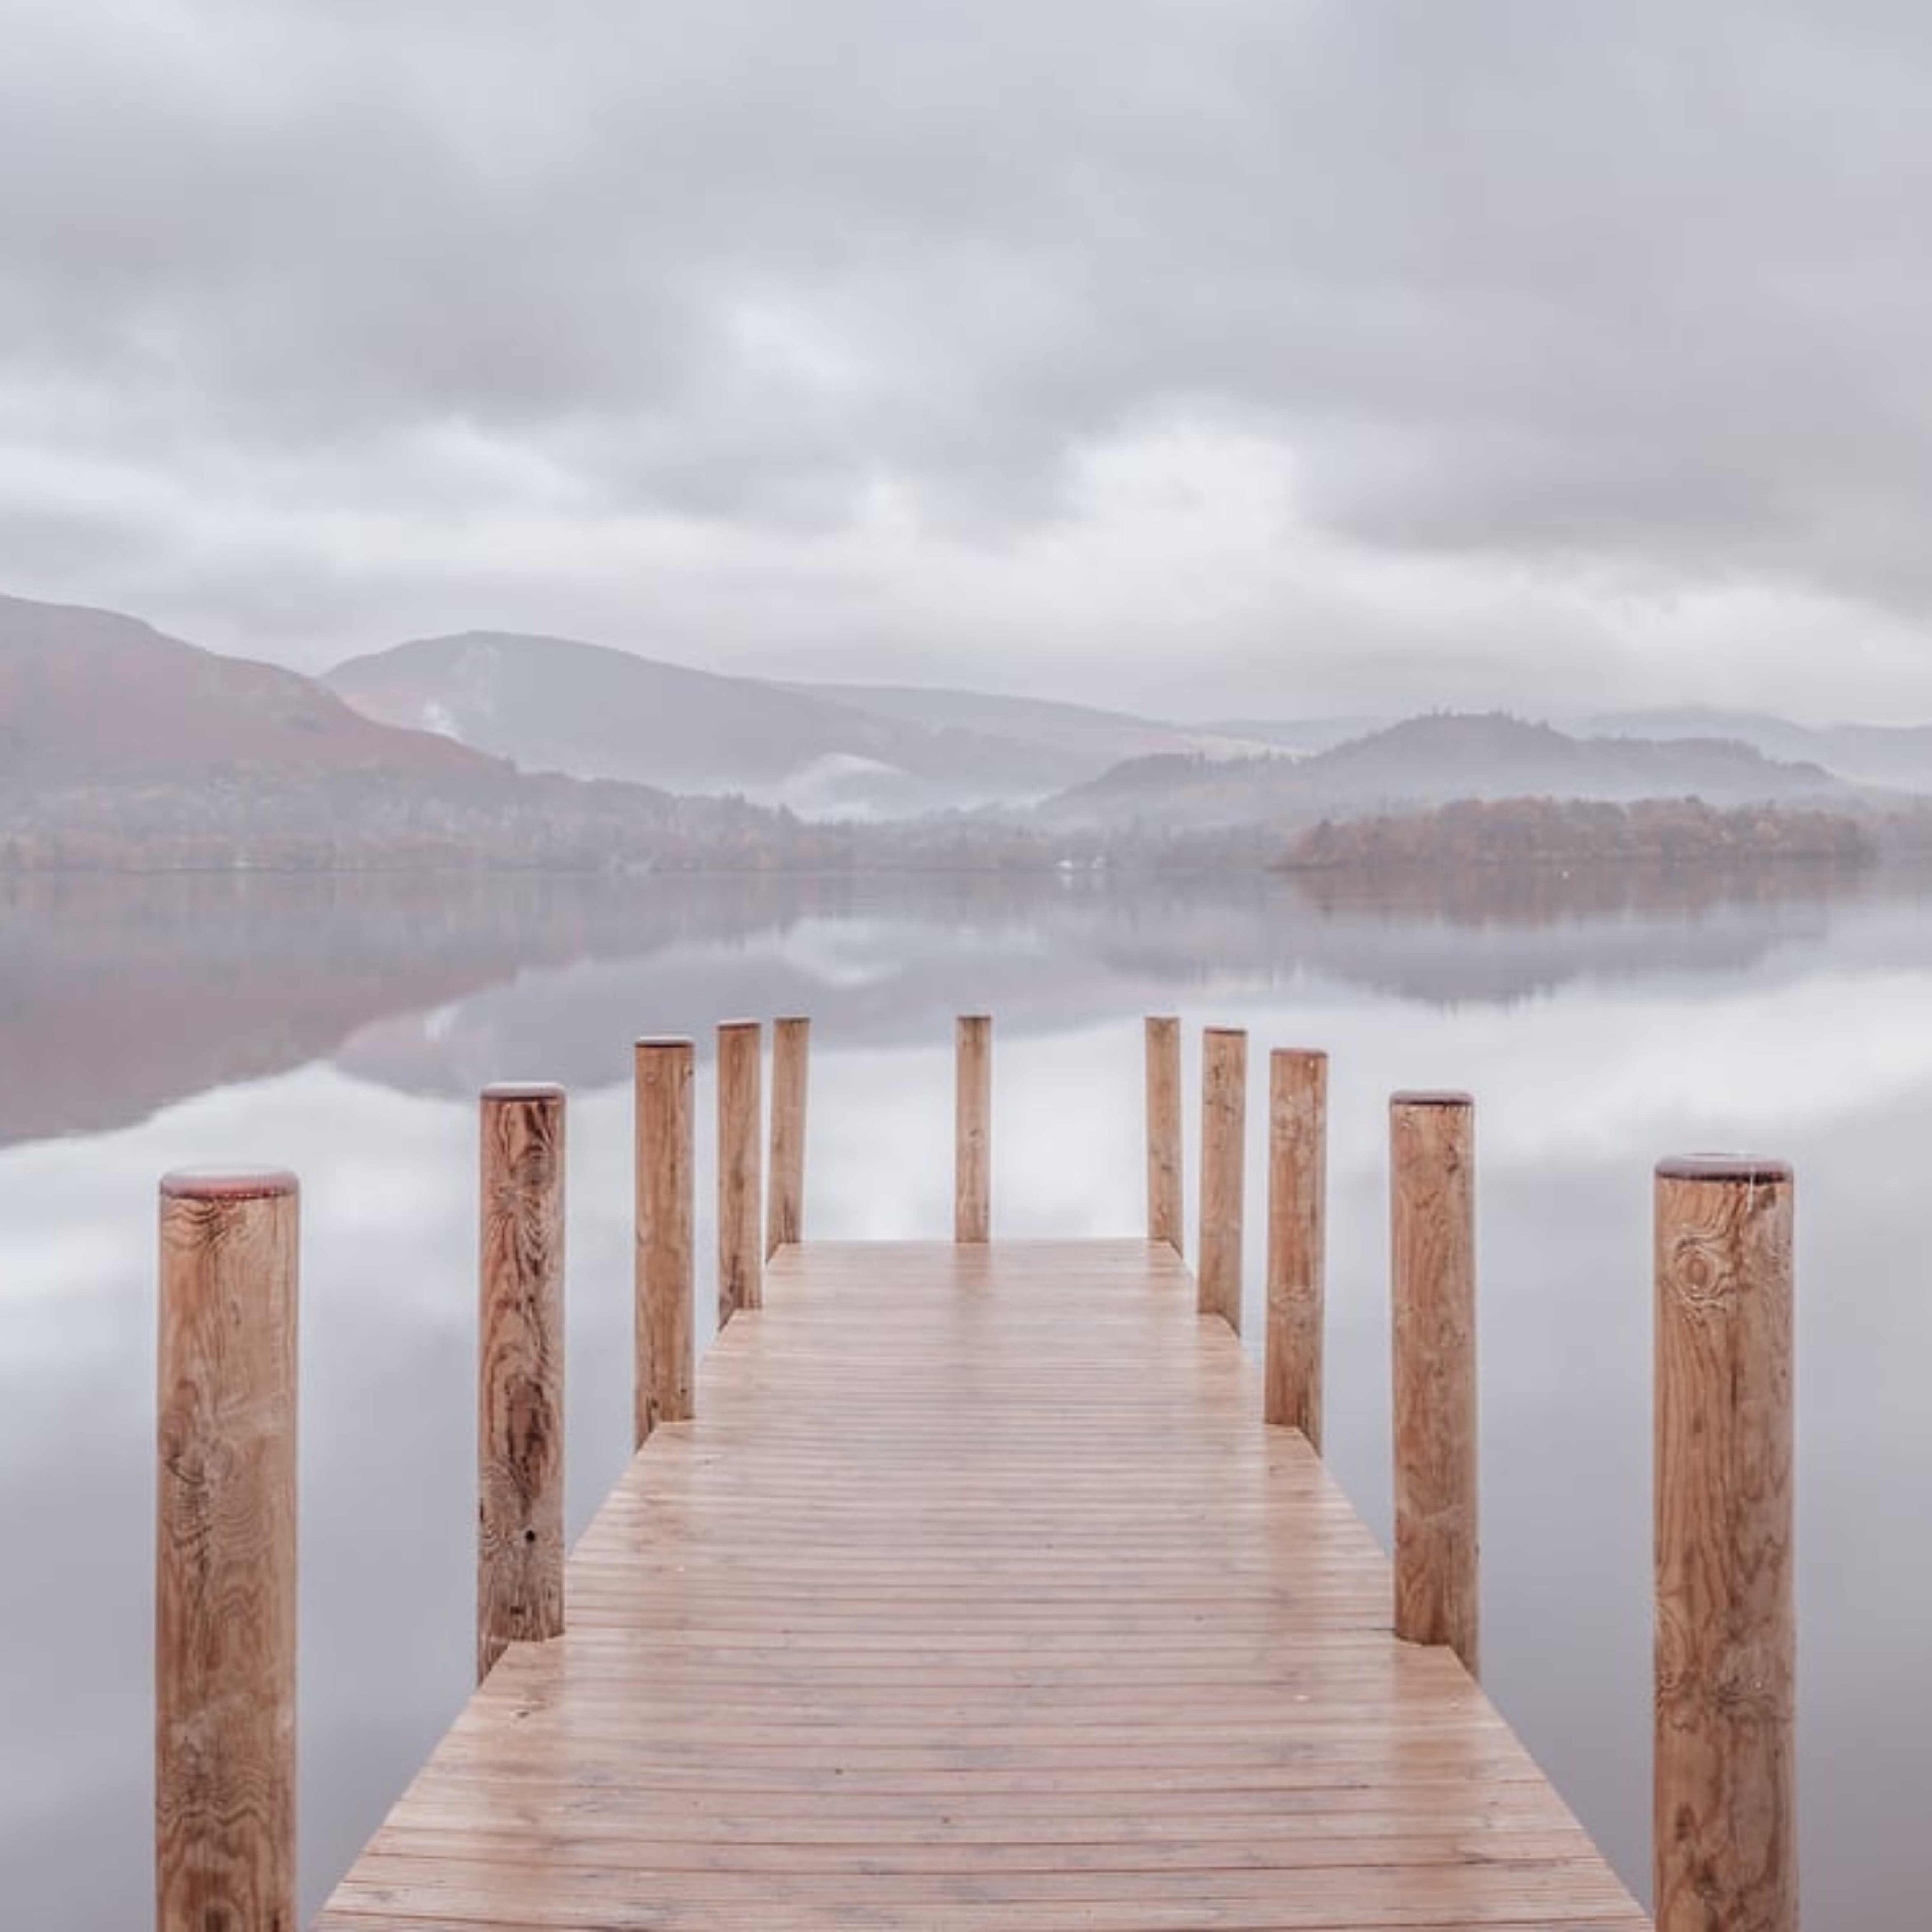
(785, 1220)
(663, 1275)
(975, 1599)
(1433, 1276)
(1297, 1210)
(519, 1371)
(972, 1130)
(1725, 1765)
(1166, 1220)
(1224, 1155)
(225, 1551)
(740, 1176)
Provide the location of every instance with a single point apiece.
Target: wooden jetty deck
(980, 1587)
(977, 1595)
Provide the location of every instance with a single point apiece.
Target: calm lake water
(342, 1027)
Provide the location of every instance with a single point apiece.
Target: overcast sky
(1206, 354)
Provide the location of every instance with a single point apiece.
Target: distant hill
(1430, 761)
(121, 747)
(1299, 735)
(1077, 739)
(1896, 755)
(554, 704)
(1574, 832)
(89, 695)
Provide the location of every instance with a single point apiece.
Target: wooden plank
(973, 1128)
(784, 1216)
(974, 1597)
(225, 1552)
(740, 1174)
(1432, 1279)
(1297, 1190)
(663, 1275)
(520, 1552)
(1224, 1154)
(1726, 1759)
(1166, 1218)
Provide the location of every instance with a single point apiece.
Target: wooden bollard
(1298, 1187)
(1431, 1139)
(663, 1272)
(741, 1281)
(519, 1371)
(225, 1554)
(784, 1216)
(1224, 1153)
(1165, 1217)
(1724, 1767)
(973, 1111)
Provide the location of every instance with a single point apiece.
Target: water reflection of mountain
(118, 997)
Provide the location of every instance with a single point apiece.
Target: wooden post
(1224, 1153)
(1297, 1188)
(1725, 1810)
(784, 1224)
(1164, 1218)
(519, 1371)
(740, 1180)
(972, 1108)
(1432, 1140)
(225, 1554)
(663, 1276)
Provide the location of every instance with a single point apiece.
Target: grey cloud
(1641, 289)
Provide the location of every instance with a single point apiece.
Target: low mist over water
(342, 1027)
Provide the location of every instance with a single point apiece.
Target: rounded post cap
(1298, 1053)
(976, 1019)
(1431, 1096)
(523, 1090)
(792, 1020)
(228, 1183)
(665, 1042)
(1225, 1033)
(740, 1026)
(1752, 1170)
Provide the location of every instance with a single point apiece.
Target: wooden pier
(970, 1589)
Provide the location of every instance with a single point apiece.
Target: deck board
(977, 1597)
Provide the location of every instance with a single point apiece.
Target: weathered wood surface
(1432, 1277)
(740, 1167)
(1224, 1156)
(977, 1599)
(784, 1212)
(665, 1274)
(225, 1554)
(973, 1130)
(1166, 1220)
(519, 1371)
(1725, 1776)
(1296, 1234)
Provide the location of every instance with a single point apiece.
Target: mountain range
(1429, 760)
(120, 745)
(887, 750)
(1896, 755)
(495, 748)
(554, 704)
(90, 696)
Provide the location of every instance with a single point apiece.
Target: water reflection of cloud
(1812, 1044)
(119, 997)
